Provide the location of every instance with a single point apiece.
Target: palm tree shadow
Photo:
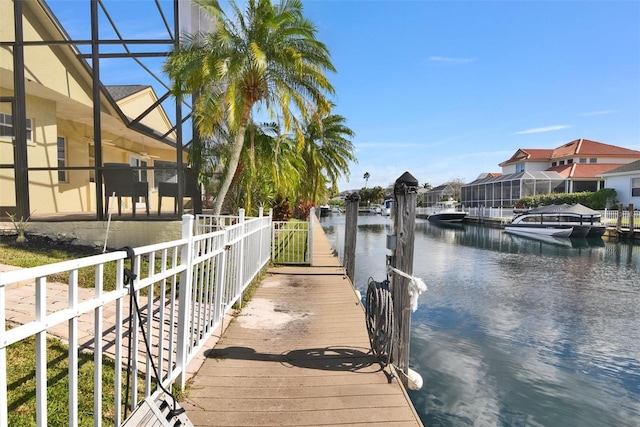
(339, 359)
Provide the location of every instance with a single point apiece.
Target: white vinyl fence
(183, 289)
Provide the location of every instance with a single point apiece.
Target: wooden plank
(298, 354)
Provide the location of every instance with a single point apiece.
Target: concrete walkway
(298, 355)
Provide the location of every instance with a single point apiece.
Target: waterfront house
(438, 194)
(59, 160)
(576, 166)
(626, 181)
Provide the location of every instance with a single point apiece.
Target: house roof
(586, 148)
(119, 92)
(529, 154)
(440, 188)
(589, 170)
(582, 170)
(629, 167)
(579, 147)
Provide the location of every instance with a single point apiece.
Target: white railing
(499, 213)
(183, 289)
(292, 241)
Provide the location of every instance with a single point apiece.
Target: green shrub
(601, 199)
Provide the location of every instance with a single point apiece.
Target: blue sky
(449, 89)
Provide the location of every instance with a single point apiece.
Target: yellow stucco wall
(55, 78)
(48, 66)
(135, 104)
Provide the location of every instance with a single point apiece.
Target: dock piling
(405, 192)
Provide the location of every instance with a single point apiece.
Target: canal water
(513, 331)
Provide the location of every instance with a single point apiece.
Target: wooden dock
(298, 355)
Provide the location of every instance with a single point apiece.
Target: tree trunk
(233, 163)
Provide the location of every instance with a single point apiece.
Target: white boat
(553, 240)
(583, 221)
(388, 205)
(447, 212)
(540, 231)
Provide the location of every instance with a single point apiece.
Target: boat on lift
(555, 220)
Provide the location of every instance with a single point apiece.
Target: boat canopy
(576, 209)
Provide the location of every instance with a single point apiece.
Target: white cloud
(597, 113)
(448, 60)
(541, 130)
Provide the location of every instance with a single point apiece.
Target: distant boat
(447, 212)
(325, 210)
(583, 221)
(387, 206)
(375, 209)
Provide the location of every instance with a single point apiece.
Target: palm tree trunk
(234, 159)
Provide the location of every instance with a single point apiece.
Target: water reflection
(514, 331)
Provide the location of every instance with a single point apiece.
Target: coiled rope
(379, 310)
(379, 316)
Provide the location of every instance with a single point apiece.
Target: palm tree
(280, 167)
(267, 55)
(327, 151)
(366, 178)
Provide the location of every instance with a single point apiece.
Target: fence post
(241, 262)
(350, 233)
(184, 300)
(312, 218)
(405, 192)
(632, 214)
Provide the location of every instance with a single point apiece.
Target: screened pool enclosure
(506, 190)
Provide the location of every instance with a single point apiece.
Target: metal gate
(291, 242)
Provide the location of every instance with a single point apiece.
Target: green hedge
(601, 199)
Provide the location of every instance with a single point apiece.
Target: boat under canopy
(584, 221)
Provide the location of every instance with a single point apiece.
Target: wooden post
(631, 214)
(405, 192)
(350, 232)
(619, 223)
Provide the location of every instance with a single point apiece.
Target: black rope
(379, 317)
(130, 276)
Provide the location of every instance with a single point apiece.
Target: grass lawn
(21, 385)
(21, 381)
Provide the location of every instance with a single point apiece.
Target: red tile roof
(583, 170)
(530, 154)
(585, 148)
(564, 170)
(578, 147)
(591, 170)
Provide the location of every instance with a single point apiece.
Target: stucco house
(576, 166)
(626, 181)
(58, 98)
